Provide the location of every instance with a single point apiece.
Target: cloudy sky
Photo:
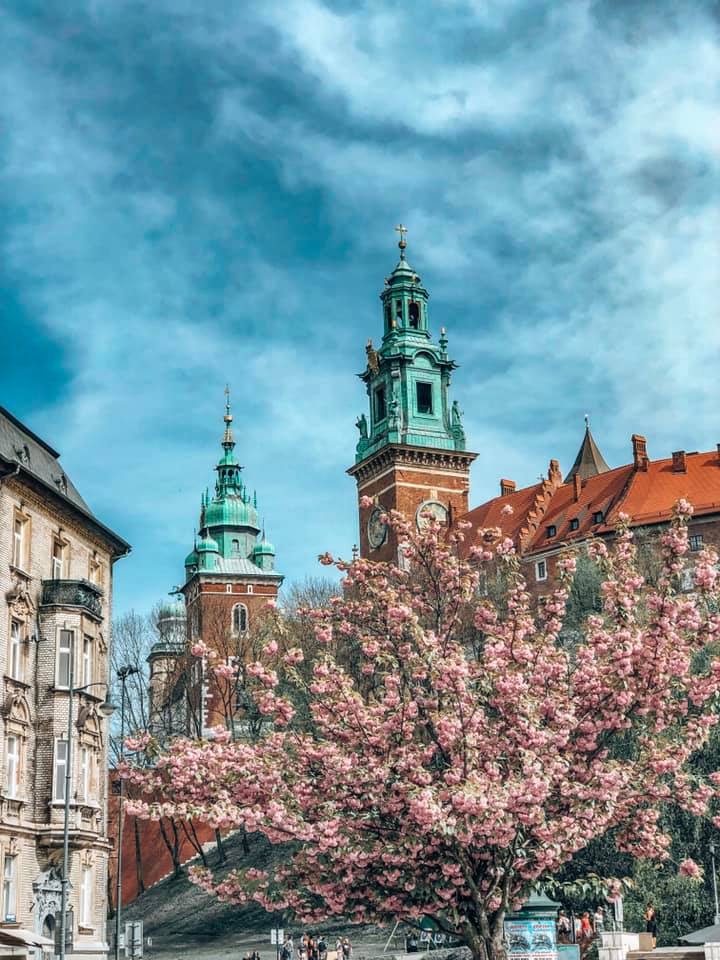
(201, 193)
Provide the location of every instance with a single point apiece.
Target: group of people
(586, 928)
(312, 947)
(589, 927)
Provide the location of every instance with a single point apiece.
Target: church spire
(589, 462)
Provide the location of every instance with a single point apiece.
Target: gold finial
(402, 230)
(228, 416)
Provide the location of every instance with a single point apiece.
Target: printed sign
(531, 939)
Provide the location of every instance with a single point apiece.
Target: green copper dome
(231, 511)
(206, 544)
(191, 559)
(265, 548)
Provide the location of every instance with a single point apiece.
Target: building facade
(56, 567)
(411, 455)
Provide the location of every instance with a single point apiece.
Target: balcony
(73, 593)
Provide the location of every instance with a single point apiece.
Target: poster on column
(531, 939)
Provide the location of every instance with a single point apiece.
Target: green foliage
(681, 905)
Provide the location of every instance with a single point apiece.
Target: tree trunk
(246, 845)
(222, 856)
(486, 943)
(138, 858)
(173, 846)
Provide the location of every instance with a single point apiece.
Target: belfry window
(380, 409)
(398, 311)
(239, 618)
(414, 315)
(424, 397)
(236, 547)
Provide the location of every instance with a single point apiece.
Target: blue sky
(201, 193)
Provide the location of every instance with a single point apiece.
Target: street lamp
(122, 674)
(715, 892)
(106, 709)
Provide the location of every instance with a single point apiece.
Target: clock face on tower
(431, 509)
(376, 529)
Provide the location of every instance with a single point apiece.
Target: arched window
(239, 618)
(236, 546)
(414, 314)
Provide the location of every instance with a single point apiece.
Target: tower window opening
(424, 397)
(236, 547)
(398, 310)
(239, 618)
(414, 315)
(388, 314)
(380, 408)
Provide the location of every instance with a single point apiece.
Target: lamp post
(122, 674)
(715, 892)
(107, 709)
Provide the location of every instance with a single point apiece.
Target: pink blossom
(688, 868)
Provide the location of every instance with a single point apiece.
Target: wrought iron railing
(72, 593)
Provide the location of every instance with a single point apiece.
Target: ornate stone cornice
(395, 454)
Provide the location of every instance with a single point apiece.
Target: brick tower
(411, 453)
(230, 572)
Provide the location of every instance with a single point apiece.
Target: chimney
(507, 487)
(640, 457)
(577, 486)
(679, 463)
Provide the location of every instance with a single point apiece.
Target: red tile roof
(646, 495)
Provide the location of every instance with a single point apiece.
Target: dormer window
(551, 530)
(574, 523)
(598, 516)
(414, 315)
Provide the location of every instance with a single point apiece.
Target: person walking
(322, 947)
(599, 921)
(563, 927)
(346, 949)
(651, 925)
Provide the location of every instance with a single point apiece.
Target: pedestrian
(346, 949)
(563, 927)
(322, 947)
(651, 925)
(599, 921)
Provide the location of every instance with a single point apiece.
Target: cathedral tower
(230, 573)
(411, 453)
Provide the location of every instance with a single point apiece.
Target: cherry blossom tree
(460, 752)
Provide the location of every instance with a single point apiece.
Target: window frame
(598, 516)
(551, 530)
(238, 630)
(16, 658)
(696, 542)
(12, 771)
(86, 898)
(85, 760)
(574, 523)
(380, 408)
(60, 657)
(59, 796)
(9, 888)
(431, 411)
(59, 563)
(538, 565)
(87, 660)
(21, 542)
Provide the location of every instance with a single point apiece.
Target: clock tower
(411, 453)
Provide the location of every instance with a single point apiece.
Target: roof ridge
(26, 430)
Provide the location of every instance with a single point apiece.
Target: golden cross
(402, 230)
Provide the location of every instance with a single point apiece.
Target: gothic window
(64, 653)
(380, 408)
(414, 315)
(239, 618)
(423, 392)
